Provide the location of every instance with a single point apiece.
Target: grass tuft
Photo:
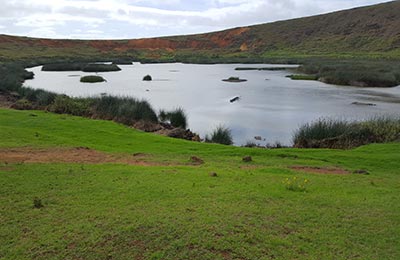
(342, 134)
(220, 135)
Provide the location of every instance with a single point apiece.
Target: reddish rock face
(207, 41)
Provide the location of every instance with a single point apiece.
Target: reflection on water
(270, 105)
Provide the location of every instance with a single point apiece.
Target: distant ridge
(365, 31)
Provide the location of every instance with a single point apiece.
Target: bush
(329, 133)
(28, 75)
(23, 104)
(147, 78)
(73, 106)
(45, 98)
(221, 135)
(92, 79)
(177, 117)
(12, 76)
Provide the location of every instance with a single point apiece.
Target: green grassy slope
(117, 211)
(368, 32)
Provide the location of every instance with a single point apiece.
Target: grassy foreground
(171, 209)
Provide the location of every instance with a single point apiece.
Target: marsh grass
(334, 133)
(176, 117)
(220, 135)
(73, 106)
(302, 77)
(124, 110)
(363, 73)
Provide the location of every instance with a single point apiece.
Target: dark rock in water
(247, 159)
(234, 99)
(213, 174)
(363, 104)
(147, 78)
(258, 138)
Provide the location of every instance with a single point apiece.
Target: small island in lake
(234, 79)
(92, 79)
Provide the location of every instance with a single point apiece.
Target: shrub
(11, 77)
(220, 135)
(92, 79)
(28, 75)
(39, 96)
(73, 106)
(23, 104)
(147, 78)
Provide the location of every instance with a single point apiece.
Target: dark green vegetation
(122, 62)
(63, 67)
(365, 73)
(302, 77)
(147, 78)
(168, 208)
(92, 79)
(97, 67)
(220, 135)
(77, 66)
(234, 79)
(264, 68)
(330, 133)
(124, 110)
(177, 117)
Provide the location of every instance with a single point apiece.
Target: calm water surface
(270, 105)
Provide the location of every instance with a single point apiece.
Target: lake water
(271, 105)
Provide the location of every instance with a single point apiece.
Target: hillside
(371, 31)
(75, 188)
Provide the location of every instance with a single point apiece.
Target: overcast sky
(121, 19)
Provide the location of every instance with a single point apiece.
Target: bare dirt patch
(69, 155)
(320, 170)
